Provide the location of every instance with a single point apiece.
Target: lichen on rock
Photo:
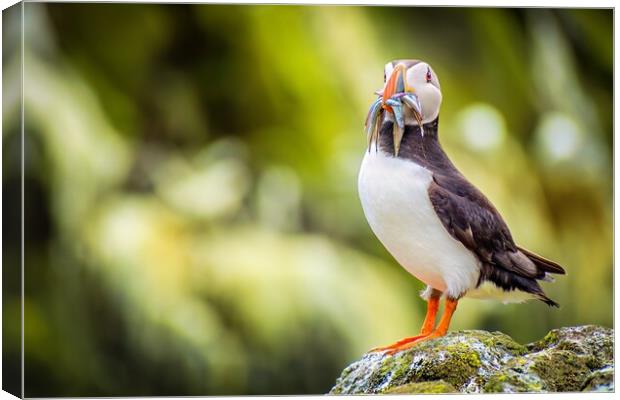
(566, 359)
(422, 387)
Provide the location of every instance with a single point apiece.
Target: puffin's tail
(543, 297)
(549, 267)
(543, 263)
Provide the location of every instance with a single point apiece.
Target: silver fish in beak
(395, 98)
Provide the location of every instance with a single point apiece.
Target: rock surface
(566, 360)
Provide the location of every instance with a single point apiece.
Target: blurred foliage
(192, 221)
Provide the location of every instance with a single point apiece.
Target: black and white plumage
(435, 223)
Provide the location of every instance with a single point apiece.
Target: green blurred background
(192, 222)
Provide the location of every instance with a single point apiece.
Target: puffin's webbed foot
(427, 329)
(394, 347)
(409, 344)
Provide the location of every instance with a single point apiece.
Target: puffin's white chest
(394, 196)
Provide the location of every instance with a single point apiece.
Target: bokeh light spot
(559, 136)
(483, 127)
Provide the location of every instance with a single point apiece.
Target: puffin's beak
(396, 97)
(394, 84)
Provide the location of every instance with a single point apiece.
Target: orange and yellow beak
(396, 83)
(395, 97)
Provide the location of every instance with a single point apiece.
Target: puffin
(429, 217)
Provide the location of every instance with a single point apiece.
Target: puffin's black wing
(471, 219)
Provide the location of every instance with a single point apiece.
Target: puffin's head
(411, 95)
(418, 79)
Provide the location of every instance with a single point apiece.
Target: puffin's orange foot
(411, 343)
(398, 344)
(427, 330)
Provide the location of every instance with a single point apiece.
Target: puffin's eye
(429, 77)
(384, 76)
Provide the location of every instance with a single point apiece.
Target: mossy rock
(566, 359)
(422, 387)
(600, 381)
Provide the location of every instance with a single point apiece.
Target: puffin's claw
(392, 348)
(406, 343)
